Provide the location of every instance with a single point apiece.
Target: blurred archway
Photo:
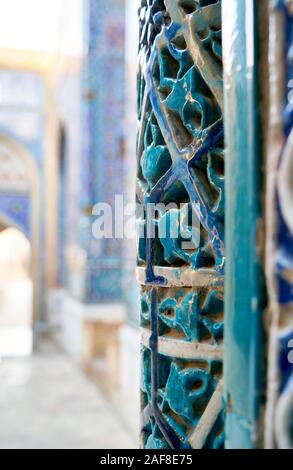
(19, 211)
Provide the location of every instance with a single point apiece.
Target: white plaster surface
(130, 375)
(67, 315)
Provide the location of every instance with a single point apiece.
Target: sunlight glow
(39, 25)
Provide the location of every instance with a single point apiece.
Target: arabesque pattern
(181, 161)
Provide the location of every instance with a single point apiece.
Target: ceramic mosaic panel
(102, 166)
(181, 160)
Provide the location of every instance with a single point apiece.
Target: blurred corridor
(46, 402)
(65, 147)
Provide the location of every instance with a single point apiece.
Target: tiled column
(244, 286)
(181, 160)
(103, 143)
(279, 239)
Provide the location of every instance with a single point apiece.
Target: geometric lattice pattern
(181, 160)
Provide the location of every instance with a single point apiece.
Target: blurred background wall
(67, 142)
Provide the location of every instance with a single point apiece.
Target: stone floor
(46, 402)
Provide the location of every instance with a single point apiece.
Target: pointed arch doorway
(21, 226)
